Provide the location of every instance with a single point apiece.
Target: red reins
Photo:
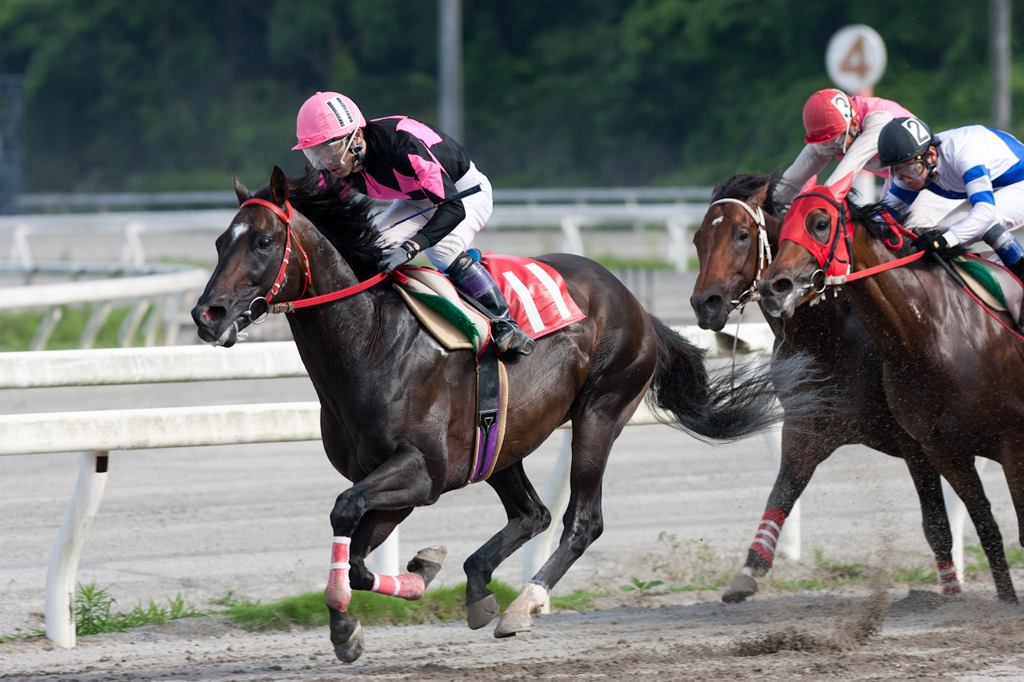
(286, 218)
(902, 232)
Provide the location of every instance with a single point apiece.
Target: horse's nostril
(207, 315)
(782, 285)
(713, 303)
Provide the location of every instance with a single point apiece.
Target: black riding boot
(478, 284)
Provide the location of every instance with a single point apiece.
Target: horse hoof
(427, 562)
(353, 648)
(740, 587)
(479, 614)
(509, 625)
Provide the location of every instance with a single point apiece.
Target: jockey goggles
(910, 170)
(839, 144)
(330, 154)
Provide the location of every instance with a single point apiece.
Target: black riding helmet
(902, 139)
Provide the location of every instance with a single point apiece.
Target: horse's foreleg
(802, 452)
(373, 529)
(527, 518)
(934, 518)
(964, 479)
(403, 481)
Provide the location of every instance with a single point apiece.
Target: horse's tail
(720, 405)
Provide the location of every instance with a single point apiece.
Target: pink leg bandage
(947, 577)
(768, 534)
(338, 593)
(407, 586)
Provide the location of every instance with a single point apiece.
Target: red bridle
(282, 273)
(287, 218)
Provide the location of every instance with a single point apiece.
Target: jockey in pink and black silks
(418, 167)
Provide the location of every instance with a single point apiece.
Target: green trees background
(174, 94)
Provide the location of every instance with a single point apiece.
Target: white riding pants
(478, 210)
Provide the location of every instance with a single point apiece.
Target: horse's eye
(264, 242)
(742, 236)
(821, 225)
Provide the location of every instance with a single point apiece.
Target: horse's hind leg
(964, 479)
(934, 518)
(1013, 468)
(802, 452)
(527, 517)
(592, 438)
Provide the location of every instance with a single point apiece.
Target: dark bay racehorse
(953, 377)
(398, 410)
(831, 333)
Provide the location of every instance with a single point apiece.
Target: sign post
(855, 59)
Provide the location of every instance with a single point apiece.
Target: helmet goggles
(330, 154)
(910, 170)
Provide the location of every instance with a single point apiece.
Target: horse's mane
(870, 218)
(344, 217)
(742, 185)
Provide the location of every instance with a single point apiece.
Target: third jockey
(845, 128)
(417, 166)
(980, 167)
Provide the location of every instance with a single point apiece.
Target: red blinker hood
(794, 229)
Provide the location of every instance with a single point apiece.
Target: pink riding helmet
(325, 116)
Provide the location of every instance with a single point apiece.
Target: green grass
(613, 263)
(579, 600)
(914, 575)
(16, 329)
(94, 612)
(977, 562)
(308, 609)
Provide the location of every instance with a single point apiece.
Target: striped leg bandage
(406, 586)
(768, 534)
(338, 593)
(947, 577)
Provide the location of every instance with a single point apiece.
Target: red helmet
(827, 113)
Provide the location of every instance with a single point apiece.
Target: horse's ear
(842, 187)
(716, 191)
(279, 186)
(756, 200)
(241, 192)
(809, 185)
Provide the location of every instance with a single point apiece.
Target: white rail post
(132, 252)
(572, 242)
(957, 512)
(556, 498)
(67, 548)
(384, 560)
(678, 249)
(21, 252)
(45, 329)
(789, 538)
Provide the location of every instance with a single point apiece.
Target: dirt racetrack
(206, 521)
(784, 637)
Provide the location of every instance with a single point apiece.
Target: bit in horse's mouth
(232, 335)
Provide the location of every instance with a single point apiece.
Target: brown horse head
(814, 243)
(249, 257)
(728, 245)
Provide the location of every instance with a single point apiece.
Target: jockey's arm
(811, 161)
(446, 217)
(983, 208)
(863, 149)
